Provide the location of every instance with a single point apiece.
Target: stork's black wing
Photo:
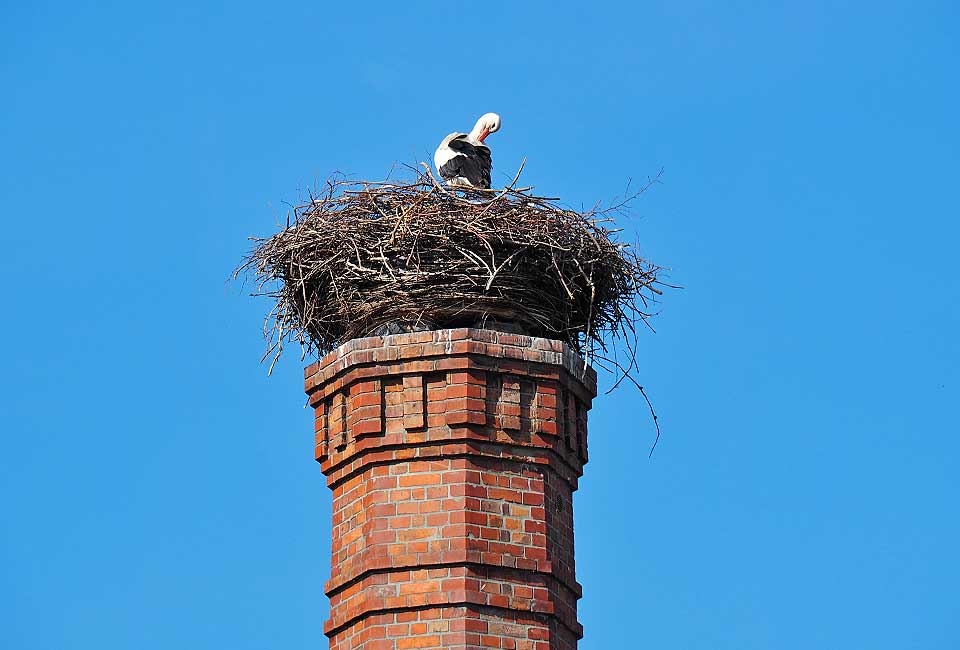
(473, 162)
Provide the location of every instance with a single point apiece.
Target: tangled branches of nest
(369, 258)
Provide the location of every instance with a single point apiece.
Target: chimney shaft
(453, 456)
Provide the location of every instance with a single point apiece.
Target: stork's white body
(462, 159)
(445, 154)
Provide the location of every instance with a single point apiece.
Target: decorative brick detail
(453, 457)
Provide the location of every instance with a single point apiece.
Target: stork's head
(487, 124)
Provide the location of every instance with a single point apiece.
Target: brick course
(452, 457)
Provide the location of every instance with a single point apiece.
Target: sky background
(158, 490)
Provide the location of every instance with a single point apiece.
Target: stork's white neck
(487, 124)
(477, 130)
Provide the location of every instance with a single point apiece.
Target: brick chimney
(453, 456)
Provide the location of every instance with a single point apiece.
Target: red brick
(464, 488)
(419, 479)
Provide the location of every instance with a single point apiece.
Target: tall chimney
(453, 456)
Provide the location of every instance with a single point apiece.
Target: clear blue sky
(158, 490)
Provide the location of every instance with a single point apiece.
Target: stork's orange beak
(483, 135)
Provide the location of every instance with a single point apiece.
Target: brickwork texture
(452, 456)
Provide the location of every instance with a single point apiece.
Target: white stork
(463, 159)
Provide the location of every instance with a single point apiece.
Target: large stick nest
(370, 258)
